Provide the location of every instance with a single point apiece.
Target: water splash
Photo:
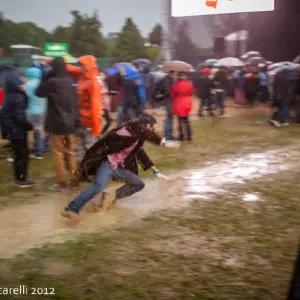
(31, 225)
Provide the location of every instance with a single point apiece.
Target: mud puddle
(32, 225)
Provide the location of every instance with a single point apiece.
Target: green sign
(56, 49)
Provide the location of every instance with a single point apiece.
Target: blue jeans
(168, 128)
(220, 97)
(104, 174)
(41, 145)
(282, 113)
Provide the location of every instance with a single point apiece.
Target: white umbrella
(279, 64)
(255, 60)
(229, 62)
(178, 66)
(275, 70)
(251, 54)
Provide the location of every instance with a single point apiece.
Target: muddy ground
(225, 227)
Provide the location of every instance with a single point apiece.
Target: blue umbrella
(142, 61)
(112, 71)
(131, 73)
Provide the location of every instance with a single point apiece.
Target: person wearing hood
(36, 111)
(62, 118)
(15, 124)
(117, 154)
(89, 92)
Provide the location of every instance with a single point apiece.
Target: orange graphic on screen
(213, 3)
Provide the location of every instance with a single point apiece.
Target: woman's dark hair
(146, 119)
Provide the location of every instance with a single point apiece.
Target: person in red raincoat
(182, 93)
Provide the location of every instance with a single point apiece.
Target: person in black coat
(62, 118)
(117, 154)
(283, 96)
(15, 124)
(204, 86)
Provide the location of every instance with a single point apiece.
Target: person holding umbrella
(182, 93)
(283, 96)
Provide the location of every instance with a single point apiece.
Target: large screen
(185, 8)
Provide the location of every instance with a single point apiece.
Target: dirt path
(32, 225)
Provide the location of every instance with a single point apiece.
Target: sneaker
(285, 124)
(67, 213)
(275, 123)
(58, 187)
(108, 199)
(36, 156)
(10, 159)
(24, 184)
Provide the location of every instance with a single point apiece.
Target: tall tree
(155, 36)
(222, 25)
(20, 33)
(184, 46)
(62, 34)
(111, 41)
(86, 37)
(130, 43)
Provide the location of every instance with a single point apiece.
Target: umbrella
(142, 61)
(229, 62)
(69, 59)
(251, 54)
(209, 63)
(279, 64)
(297, 60)
(112, 71)
(283, 67)
(256, 60)
(131, 73)
(177, 66)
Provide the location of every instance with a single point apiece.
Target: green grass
(221, 249)
(213, 139)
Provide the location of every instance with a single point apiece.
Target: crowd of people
(65, 106)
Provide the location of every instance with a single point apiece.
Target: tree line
(84, 36)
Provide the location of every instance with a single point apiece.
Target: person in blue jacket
(36, 111)
(264, 94)
(13, 119)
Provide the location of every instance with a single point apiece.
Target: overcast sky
(49, 14)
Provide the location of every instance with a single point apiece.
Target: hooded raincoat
(89, 92)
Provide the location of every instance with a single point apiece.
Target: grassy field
(218, 249)
(223, 249)
(213, 138)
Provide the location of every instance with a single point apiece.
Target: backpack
(158, 91)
